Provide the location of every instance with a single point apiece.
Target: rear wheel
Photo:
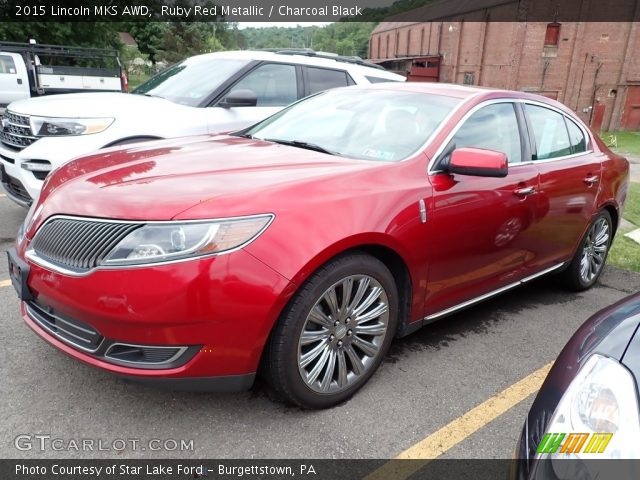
(335, 332)
(588, 262)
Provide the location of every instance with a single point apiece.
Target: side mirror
(240, 98)
(478, 162)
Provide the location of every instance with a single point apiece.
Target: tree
(79, 34)
(148, 36)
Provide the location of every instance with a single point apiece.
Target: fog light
(37, 165)
(144, 354)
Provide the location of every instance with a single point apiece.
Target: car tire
(334, 333)
(588, 262)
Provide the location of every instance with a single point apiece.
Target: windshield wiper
(301, 144)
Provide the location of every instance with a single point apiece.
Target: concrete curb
(634, 235)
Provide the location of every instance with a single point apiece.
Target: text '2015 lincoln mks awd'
(300, 247)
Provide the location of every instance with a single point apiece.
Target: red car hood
(159, 180)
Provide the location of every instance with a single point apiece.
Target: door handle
(19, 80)
(525, 192)
(591, 181)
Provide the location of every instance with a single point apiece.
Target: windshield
(191, 81)
(382, 125)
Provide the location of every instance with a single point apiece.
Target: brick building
(592, 67)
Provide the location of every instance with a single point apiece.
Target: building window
(552, 35)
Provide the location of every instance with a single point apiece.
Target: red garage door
(631, 114)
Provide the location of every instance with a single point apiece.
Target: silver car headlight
(597, 418)
(59, 127)
(162, 242)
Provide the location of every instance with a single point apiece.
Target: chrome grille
(78, 244)
(16, 133)
(16, 118)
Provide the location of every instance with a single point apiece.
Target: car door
(14, 84)
(480, 240)
(276, 85)
(569, 178)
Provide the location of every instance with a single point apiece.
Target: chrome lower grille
(143, 355)
(16, 133)
(68, 330)
(78, 244)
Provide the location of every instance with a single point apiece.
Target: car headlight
(597, 418)
(58, 127)
(171, 241)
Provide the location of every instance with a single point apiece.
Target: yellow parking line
(462, 427)
(5, 283)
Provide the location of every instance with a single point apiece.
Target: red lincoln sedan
(300, 247)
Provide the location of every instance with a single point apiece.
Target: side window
(494, 127)
(576, 137)
(552, 139)
(6, 64)
(321, 79)
(274, 84)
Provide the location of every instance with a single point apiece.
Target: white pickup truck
(31, 70)
(208, 93)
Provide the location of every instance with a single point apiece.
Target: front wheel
(335, 332)
(588, 262)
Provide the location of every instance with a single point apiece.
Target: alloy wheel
(343, 334)
(594, 250)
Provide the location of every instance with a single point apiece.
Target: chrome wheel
(343, 334)
(594, 250)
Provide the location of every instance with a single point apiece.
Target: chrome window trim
(432, 161)
(31, 254)
(549, 160)
(566, 117)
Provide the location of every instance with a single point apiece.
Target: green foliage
(625, 253)
(632, 205)
(148, 36)
(627, 142)
(344, 38)
(78, 34)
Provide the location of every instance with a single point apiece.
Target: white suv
(204, 94)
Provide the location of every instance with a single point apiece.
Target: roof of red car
(448, 89)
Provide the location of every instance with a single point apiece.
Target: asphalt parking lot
(428, 381)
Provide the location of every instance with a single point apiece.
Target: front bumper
(221, 308)
(56, 151)
(13, 187)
